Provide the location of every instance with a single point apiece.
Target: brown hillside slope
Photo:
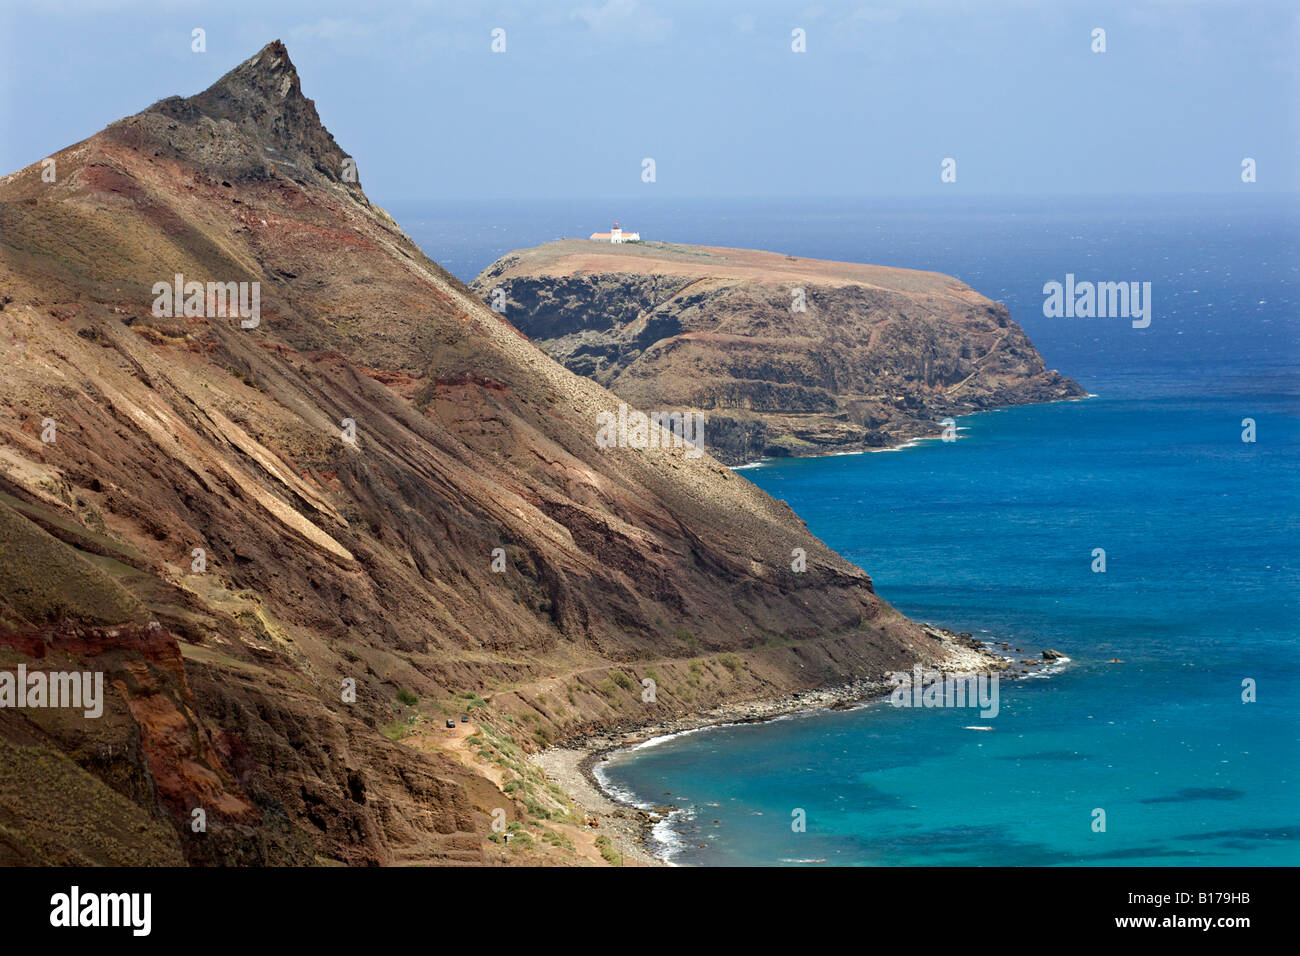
(331, 561)
(875, 356)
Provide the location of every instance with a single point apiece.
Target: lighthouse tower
(616, 234)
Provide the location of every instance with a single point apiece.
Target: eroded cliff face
(294, 547)
(787, 356)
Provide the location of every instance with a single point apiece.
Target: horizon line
(797, 197)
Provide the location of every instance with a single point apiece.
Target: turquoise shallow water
(994, 534)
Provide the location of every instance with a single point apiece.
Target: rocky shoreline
(903, 439)
(572, 766)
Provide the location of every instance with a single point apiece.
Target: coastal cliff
(786, 356)
(300, 537)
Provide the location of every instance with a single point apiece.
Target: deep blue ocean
(995, 533)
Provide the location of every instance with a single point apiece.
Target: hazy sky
(587, 89)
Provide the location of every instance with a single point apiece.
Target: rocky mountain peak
(263, 97)
(269, 74)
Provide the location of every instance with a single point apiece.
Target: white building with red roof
(616, 235)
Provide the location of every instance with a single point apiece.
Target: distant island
(786, 355)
